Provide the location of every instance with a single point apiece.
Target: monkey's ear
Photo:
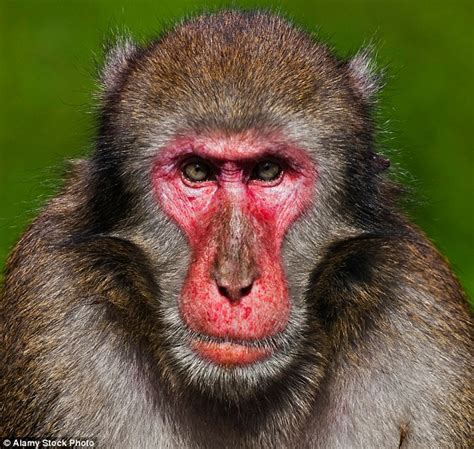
(366, 79)
(118, 56)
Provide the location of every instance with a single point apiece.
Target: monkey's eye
(197, 171)
(267, 171)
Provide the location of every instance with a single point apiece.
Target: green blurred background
(48, 51)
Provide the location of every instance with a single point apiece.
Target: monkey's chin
(229, 353)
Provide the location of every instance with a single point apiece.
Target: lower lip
(229, 354)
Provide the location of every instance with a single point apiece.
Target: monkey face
(234, 197)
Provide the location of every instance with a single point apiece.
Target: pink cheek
(278, 207)
(188, 207)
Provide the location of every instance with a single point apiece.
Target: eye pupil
(267, 171)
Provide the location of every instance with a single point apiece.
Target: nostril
(223, 291)
(234, 293)
(245, 291)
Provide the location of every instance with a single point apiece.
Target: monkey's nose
(235, 292)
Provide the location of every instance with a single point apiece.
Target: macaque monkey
(230, 267)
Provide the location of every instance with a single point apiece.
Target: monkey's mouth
(230, 352)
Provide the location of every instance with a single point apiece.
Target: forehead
(236, 70)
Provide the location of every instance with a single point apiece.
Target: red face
(234, 198)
